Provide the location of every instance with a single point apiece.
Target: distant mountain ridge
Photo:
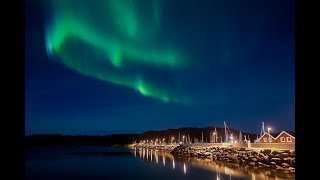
(85, 140)
(124, 139)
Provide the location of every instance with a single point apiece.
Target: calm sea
(48, 163)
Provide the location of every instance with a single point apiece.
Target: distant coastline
(82, 140)
(126, 139)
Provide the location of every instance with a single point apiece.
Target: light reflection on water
(147, 154)
(70, 163)
(217, 167)
(173, 165)
(156, 155)
(164, 161)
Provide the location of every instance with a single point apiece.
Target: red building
(285, 137)
(266, 138)
(282, 137)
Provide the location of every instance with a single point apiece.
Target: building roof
(285, 133)
(265, 134)
(278, 134)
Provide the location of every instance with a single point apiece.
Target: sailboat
(226, 132)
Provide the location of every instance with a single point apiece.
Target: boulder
(275, 152)
(270, 156)
(285, 165)
(292, 154)
(283, 155)
(273, 164)
(276, 160)
(265, 161)
(291, 169)
(260, 164)
(279, 167)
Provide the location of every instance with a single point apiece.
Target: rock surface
(264, 158)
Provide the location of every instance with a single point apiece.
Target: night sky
(126, 66)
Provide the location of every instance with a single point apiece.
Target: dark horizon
(114, 67)
(150, 131)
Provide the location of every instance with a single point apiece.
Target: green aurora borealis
(114, 42)
(120, 66)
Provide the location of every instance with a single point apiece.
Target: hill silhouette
(124, 139)
(61, 140)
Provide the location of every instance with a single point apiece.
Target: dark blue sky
(242, 72)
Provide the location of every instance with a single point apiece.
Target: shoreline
(279, 159)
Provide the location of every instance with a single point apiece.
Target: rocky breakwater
(264, 158)
(167, 148)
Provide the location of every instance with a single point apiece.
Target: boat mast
(262, 129)
(215, 135)
(225, 131)
(202, 137)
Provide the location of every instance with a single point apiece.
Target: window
(282, 139)
(265, 140)
(289, 139)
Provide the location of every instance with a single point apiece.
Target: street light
(183, 139)
(172, 140)
(269, 134)
(214, 137)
